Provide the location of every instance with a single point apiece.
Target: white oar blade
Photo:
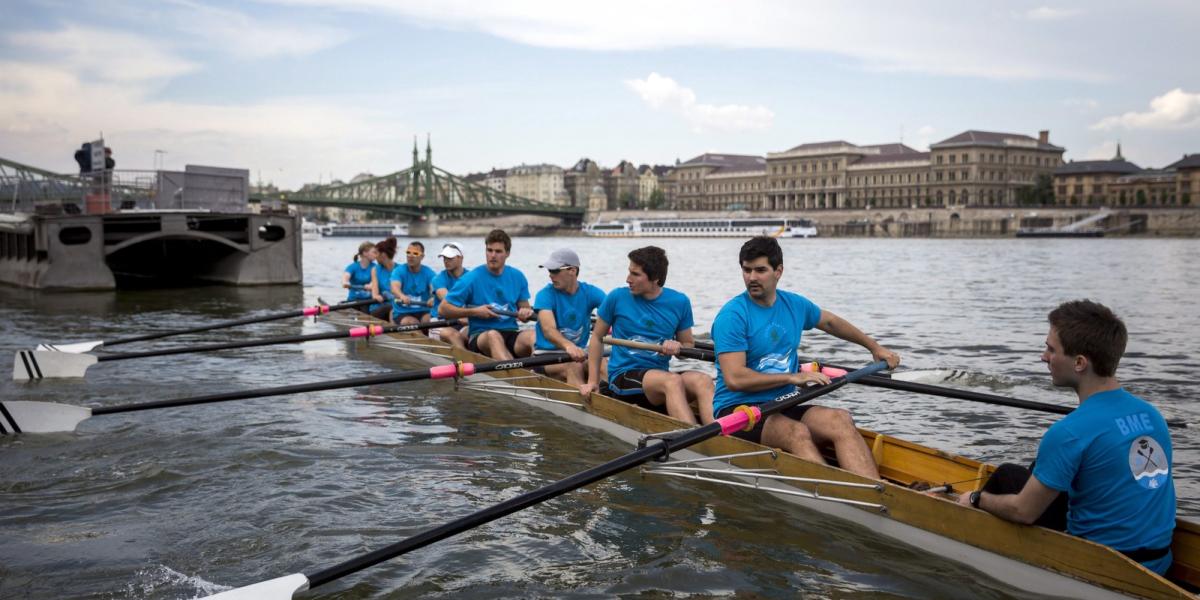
(279, 588)
(31, 365)
(76, 348)
(930, 375)
(25, 416)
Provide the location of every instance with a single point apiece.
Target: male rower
(757, 335)
(564, 308)
(452, 260)
(648, 312)
(496, 287)
(1111, 456)
(412, 287)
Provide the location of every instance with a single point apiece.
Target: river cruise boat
(368, 231)
(737, 227)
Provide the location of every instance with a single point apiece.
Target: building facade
(622, 185)
(1118, 183)
(718, 182)
(541, 183)
(579, 181)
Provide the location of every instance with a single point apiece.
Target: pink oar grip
(311, 310)
(737, 420)
(366, 331)
(828, 371)
(447, 371)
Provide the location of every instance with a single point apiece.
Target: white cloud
(664, 93)
(238, 34)
(103, 54)
(959, 40)
(1175, 109)
(1046, 13)
(1104, 151)
(925, 135)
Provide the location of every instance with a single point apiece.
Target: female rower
(359, 277)
(384, 264)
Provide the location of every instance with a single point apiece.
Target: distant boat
(1083, 228)
(741, 227)
(365, 230)
(309, 230)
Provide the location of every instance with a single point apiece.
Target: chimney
(1044, 136)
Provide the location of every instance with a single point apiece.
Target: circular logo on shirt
(1148, 463)
(775, 332)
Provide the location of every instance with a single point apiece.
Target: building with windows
(622, 185)
(541, 183)
(982, 168)
(580, 180)
(1089, 182)
(719, 182)
(1119, 183)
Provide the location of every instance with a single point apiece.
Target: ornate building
(1119, 183)
(719, 182)
(542, 183)
(579, 181)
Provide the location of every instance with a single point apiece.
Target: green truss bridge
(425, 192)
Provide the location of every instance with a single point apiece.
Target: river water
(184, 502)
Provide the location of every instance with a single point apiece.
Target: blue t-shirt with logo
(641, 320)
(769, 336)
(414, 285)
(359, 276)
(383, 277)
(572, 313)
(447, 280)
(503, 291)
(1112, 455)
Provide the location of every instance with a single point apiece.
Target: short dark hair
(653, 261)
(761, 245)
(419, 245)
(1090, 329)
(498, 235)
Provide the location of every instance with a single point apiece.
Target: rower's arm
(685, 339)
(596, 351)
(549, 325)
(452, 311)
(834, 325)
(345, 280)
(740, 378)
(1024, 507)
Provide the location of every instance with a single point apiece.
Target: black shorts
(510, 340)
(383, 311)
(627, 387)
(755, 435)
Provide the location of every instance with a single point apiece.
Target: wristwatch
(974, 498)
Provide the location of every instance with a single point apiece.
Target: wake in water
(162, 581)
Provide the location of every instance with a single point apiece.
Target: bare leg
(491, 343)
(524, 344)
(451, 336)
(571, 373)
(836, 426)
(666, 388)
(700, 390)
(793, 436)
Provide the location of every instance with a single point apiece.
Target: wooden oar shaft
(440, 372)
(641, 456)
(304, 312)
(365, 331)
(696, 353)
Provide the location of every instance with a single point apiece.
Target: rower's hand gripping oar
(311, 311)
(684, 352)
(659, 447)
(31, 365)
(23, 416)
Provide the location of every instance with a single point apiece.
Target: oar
(661, 447)
(696, 353)
(893, 381)
(922, 375)
(45, 364)
(24, 416)
(310, 311)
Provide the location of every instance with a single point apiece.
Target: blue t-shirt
(572, 313)
(359, 276)
(652, 321)
(383, 277)
(503, 291)
(1113, 456)
(414, 285)
(768, 336)
(447, 280)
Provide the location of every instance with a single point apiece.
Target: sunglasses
(557, 271)
(414, 254)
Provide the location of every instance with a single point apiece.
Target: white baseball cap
(450, 250)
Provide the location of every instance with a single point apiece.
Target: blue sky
(305, 90)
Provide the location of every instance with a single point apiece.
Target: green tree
(1141, 197)
(657, 199)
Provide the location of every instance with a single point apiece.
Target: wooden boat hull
(1031, 558)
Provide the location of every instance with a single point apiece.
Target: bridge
(427, 193)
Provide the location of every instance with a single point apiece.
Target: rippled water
(182, 502)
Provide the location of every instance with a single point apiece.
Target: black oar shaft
(286, 339)
(533, 361)
(574, 482)
(224, 324)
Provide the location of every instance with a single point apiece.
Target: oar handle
(685, 352)
(439, 372)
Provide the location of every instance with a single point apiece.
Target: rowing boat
(1031, 558)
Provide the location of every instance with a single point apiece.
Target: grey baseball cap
(563, 257)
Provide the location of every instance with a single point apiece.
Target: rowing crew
(1102, 472)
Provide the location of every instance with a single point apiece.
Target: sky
(300, 91)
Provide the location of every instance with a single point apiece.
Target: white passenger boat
(723, 227)
(1027, 557)
(366, 231)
